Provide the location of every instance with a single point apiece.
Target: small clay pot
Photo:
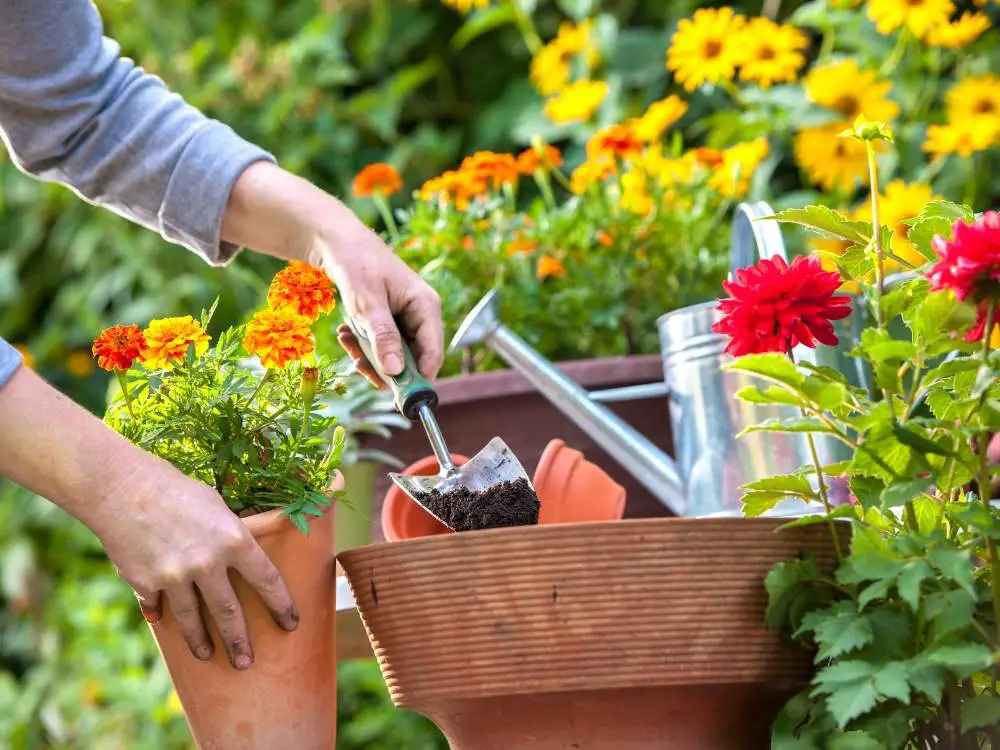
(630, 634)
(288, 698)
(404, 519)
(574, 490)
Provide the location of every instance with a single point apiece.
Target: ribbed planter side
(510, 634)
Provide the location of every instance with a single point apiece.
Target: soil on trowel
(507, 504)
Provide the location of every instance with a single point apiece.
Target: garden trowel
(489, 491)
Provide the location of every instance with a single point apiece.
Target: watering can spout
(636, 453)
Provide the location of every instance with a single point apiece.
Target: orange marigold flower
(549, 266)
(303, 288)
(520, 245)
(468, 243)
(454, 187)
(379, 178)
(491, 167)
(604, 238)
(278, 337)
(118, 347)
(619, 141)
(168, 340)
(534, 160)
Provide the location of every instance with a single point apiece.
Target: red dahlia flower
(969, 264)
(773, 307)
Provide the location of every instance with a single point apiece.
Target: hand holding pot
(166, 533)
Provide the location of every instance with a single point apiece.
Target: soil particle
(507, 504)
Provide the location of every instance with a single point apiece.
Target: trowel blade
(493, 465)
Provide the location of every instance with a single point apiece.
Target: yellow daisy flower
(963, 137)
(960, 32)
(550, 68)
(771, 53)
(850, 91)
(900, 202)
(974, 98)
(828, 160)
(919, 16)
(576, 102)
(732, 178)
(705, 48)
(658, 117)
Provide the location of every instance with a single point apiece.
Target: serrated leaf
(961, 659)
(842, 631)
(949, 611)
(891, 682)
(930, 320)
(850, 689)
(791, 424)
(827, 223)
(918, 442)
(823, 393)
(789, 483)
(879, 346)
(756, 503)
(979, 519)
(786, 582)
(903, 491)
(770, 395)
(904, 297)
(980, 711)
(928, 680)
(856, 740)
(874, 592)
(771, 366)
(956, 565)
(843, 511)
(867, 490)
(911, 578)
(936, 218)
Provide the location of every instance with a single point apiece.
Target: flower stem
(264, 379)
(527, 28)
(128, 398)
(984, 474)
(876, 231)
(385, 210)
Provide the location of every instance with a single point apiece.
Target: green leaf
(961, 659)
(856, 263)
(867, 490)
(482, 23)
(891, 681)
(932, 319)
(918, 442)
(785, 583)
(904, 297)
(903, 491)
(949, 611)
(850, 687)
(910, 579)
(956, 565)
(928, 680)
(578, 10)
(879, 346)
(856, 740)
(979, 519)
(980, 711)
(842, 630)
(771, 366)
(756, 503)
(792, 424)
(843, 511)
(823, 393)
(788, 483)
(936, 218)
(827, 223)
(771, 395)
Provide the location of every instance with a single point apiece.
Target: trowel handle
(409, 389)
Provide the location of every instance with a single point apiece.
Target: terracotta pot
(288, 698)
(476, 408)
(626, 635)
(404, 519)
(573, 490)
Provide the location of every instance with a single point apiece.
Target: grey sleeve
(73, 111)
(10, 360)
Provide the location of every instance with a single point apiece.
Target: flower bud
(310, 377)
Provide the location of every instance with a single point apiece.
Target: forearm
(52, 446)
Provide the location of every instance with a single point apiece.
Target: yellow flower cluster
(550, 68)
(716, 42)
(929, 20)
(973, 110)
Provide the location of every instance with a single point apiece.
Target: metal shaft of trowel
(433, 430)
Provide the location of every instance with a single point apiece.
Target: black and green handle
(410, 389)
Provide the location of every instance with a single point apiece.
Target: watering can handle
(752, 239)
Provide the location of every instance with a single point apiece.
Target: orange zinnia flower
(534, 160)
(549, 266)
(491, 167)
(379, 178)
(278, 337)
(618, 141)
(168, 341)
(303, 288)
(118, 347)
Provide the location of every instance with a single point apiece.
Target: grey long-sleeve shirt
(73, 111)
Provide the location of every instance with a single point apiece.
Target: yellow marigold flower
(590, 173)
(577, 102)
(849, 91)
(964, 137)
(303, 288)
(549, 266)
(550, 68)
(615, 141)
(919, 16)
(169, 339)
(732, 178)
(278, 337)
(960, 32)
(830, 161)
(27, 357)
(635, 193)
(455, 187)
(79, 364)
(771, 53)
(491, 168)
(467, 6)
(659, 116)
(705, 48)
(974, 98)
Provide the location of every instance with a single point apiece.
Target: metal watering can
(711, 463)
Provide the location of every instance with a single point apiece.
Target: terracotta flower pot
(288, 698)
(572, 489)
(626, 635)
(404, 519)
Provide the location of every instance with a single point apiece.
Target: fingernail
(393, 364)
(243, 661)
(204, 653)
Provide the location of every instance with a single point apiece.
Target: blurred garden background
(662, 114)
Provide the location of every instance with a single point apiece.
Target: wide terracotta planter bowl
(626, 635)
(288, 698)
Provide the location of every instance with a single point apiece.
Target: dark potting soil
(507, 504)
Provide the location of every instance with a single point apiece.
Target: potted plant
(588, 260)
(906, 631)
(261, 438)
